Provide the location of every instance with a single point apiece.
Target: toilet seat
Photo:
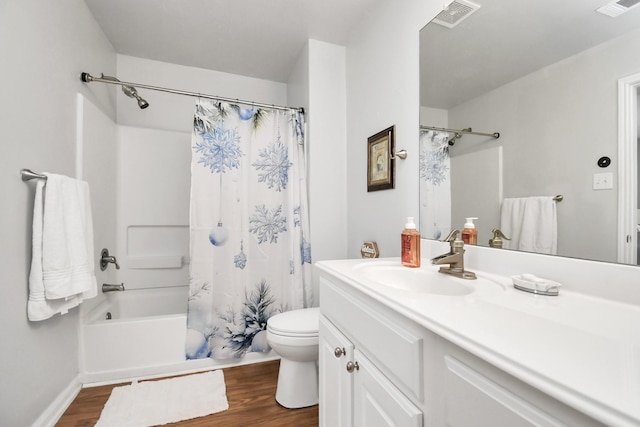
(296, 323)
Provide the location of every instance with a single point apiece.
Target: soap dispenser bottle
(469, 233)
(410, 244)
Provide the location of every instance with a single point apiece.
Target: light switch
(603, 181)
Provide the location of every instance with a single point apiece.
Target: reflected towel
(62, 269)
(531, 224)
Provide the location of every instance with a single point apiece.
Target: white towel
(531, 224)
(62, 267)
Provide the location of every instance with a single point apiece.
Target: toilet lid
(296, 322)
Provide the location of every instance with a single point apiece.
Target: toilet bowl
(294, 336)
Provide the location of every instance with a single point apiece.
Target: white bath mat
(153, 403)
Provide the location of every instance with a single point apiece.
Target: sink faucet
(455, 258)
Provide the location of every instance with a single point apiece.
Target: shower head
(131, 92)
(452, 140)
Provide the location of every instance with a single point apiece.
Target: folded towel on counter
(531, 224)
(62, 267)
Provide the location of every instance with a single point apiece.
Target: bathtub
(141, 333)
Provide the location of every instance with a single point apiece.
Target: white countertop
(581, 350)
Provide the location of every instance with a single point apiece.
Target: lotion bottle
(410, 243)
(469, 232)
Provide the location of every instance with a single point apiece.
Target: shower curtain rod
(88, 78)
(468, 131)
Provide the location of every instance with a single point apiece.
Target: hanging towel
(531, 224)
(62, 268)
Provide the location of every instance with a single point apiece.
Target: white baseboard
(54, 411)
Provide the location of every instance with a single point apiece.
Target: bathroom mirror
(544, 75)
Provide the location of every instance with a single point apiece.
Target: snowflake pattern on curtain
(274, 166)
(219, 149)
(434, 156)
(435, 184)
(248, 191)
(267, 223)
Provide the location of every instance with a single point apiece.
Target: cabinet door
(474, 400)
(336, 384)
(377, 402)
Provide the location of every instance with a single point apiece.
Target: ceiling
(263, 39)
(507, 39)
(254, 38)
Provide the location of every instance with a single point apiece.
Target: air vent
(456, 12)
(617, 8)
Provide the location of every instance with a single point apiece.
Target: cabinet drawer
(395, 346)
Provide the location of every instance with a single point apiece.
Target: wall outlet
(603, 181)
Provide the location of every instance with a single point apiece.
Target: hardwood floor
(250, 391)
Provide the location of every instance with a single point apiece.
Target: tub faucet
(106, 287)
(105, 259)
(455, 258)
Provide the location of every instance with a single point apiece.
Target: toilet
(294, 336)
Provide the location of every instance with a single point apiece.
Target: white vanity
(409, 347)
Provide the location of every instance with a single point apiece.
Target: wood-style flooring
(251, 393)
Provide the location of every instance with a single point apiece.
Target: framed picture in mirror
(380, 165)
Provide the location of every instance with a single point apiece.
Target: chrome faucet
(455, 258)
(106, 287)
(105, 259)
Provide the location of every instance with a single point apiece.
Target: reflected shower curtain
(435, 185)
(249, 228)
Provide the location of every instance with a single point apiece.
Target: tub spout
(106, 287)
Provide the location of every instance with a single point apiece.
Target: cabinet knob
(339, 352)
(352, 366)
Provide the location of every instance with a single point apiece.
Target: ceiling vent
(458, 11)
(617, 8)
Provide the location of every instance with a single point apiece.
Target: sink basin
(422, 280)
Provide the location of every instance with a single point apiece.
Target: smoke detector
(617, 8)
(457, 11)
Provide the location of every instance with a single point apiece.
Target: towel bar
(28, 175)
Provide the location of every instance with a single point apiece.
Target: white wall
(327, 150)
(434, 117)
(550, 147)
(44, 46)
(318, 83)
(382, 90)
(96, 160)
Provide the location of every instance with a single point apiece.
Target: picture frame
(380, 162)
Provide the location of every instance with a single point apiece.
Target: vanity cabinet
(335, 382)
(376, 401)
(371, 373)
(353, 391)
(379, 368)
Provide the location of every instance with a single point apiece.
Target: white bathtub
(145, 336)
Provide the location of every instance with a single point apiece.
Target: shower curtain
(249, 228)
(435, 185)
